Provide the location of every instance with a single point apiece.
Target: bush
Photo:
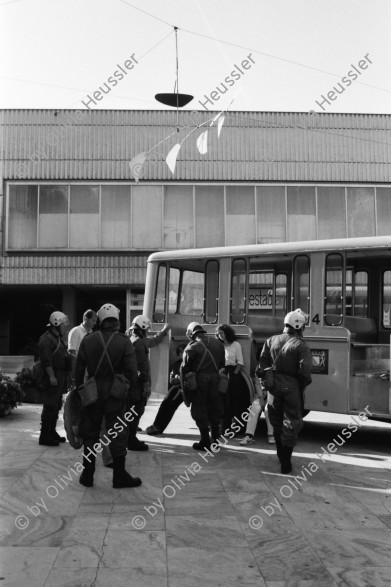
(10, 394)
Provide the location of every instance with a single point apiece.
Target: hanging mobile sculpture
(175, 100)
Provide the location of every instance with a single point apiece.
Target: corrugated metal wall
(253, 146)
(74, 270)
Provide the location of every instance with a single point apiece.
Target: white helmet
(142, 322)
(57, 318)
(193, 328)
(108, 311)
(297, 319)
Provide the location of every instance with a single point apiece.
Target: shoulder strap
(202, 360)
(105, 346)
(211, 356)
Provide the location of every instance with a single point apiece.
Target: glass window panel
(301, 283)
(160, 297)
(115, 216)
(333, 290)
(192, 294)
(240, 219)
(281, 294)
(260, 293)
(238, 291)
(211, 292)
(84, 218)
(147, 217)
(387, 299)
(383, 205)
(301, 213)
(22, 216)
(209, 206)
(53, 217)
(331, 212)
(178, 217)
(361, 294)
(271, 214)
(361, 211)
(173, 290)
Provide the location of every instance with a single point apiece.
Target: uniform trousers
(207, 405)
(285, 408)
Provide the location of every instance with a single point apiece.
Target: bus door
(318, 289)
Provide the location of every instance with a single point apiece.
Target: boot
(135, 444)
(54, 432)
(204, 441)
(286, 465)
(46, 437)
(278, 447)
(215, 433)
(121, 478)
(87, 476)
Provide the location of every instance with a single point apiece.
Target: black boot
(87, 476)
(54, 432)
(121, 478)
(46, 438)
(205, 440)
(278, 447)
(215, 433)
(135, 444)
(286, 465)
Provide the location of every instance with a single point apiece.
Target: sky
(56, 53)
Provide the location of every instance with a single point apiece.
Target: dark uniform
(207, 405)
(291, 376)
(123, 359)
(143, 386)
(52, 353)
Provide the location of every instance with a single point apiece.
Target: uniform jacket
(141, 347)
(293, 367)
(120, 351)
(52, 350)
(195, 351)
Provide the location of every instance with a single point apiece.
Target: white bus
(344, 285)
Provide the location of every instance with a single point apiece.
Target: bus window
(173, 291)
(211, 292)
(301, 283)
(160, 296)
(281, 294)
(356, 297)
(192, 293)
(333, 290)
(386, 299)
(238, 291)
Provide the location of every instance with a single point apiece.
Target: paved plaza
(189, 524)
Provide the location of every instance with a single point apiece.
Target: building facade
(77, 229)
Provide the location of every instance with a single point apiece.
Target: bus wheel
(305, 413)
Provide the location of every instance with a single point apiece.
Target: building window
(115, 227)
(209, 216)
(383, 211)
(240, 216)
(84, 217)
(147, 217)
(53, 217)
(178, 227)
(331, 212)
(301, 213)
(271, 214)
(361, 211)
(22, 216)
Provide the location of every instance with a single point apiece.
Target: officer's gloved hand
(146, 390)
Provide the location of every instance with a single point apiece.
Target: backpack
(72, 418)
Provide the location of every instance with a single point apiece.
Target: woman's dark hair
(228, 331)
(179, 349)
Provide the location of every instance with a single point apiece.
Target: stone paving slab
(221, 519)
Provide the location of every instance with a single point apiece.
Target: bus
(343, 285)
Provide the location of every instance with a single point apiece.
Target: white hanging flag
(220, 123)
(137, 165)
(202, 142)
(172, 157)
